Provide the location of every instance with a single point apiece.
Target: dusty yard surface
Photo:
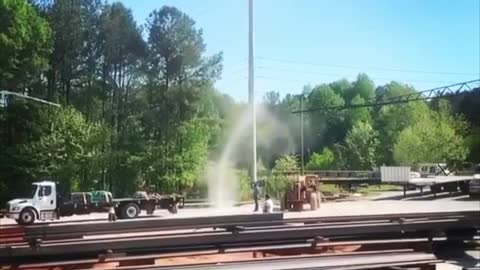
(381, 203)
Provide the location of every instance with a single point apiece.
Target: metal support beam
(9, 93)
(435, 93)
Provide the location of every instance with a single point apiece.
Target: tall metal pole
(301, 135)
(9, 93)
(251, 93)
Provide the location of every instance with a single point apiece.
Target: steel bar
(398, 216)
(70, 231)
(197, 253)
(250, 236)
(377, 246)
(176, 223)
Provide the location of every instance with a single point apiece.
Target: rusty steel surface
(237, 245)
(359, 260)
(317, 262)
(190, 240)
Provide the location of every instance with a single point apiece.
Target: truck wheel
(130, 210)
(27, 217)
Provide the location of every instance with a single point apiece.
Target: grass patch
(370, 189)
(330, 188)
(378, 188)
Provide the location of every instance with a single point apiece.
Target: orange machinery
(299, 192)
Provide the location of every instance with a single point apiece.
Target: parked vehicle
(474, 187)
(47, 202)
(402, 175)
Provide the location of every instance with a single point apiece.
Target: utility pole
(251, 93)
(301, 135)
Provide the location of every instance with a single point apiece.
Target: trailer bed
(430, 181)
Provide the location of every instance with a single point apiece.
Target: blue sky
(427, 43)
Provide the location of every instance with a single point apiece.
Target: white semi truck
(46, 202)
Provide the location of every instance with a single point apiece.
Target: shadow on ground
(468, 198)
(425, 196)
(457, 252)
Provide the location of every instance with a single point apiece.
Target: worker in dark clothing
(256, 194)
(111, 214)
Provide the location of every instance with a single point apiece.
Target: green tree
(66, 19)
(176, 47)
(391, 120)
(178, 78)
(360, 148)
(362, 87)
(122, 52)
(69, 151)
(358, 114)
(24, 44)
(321, 161)
(340, 87)
(435, 138)
(328, 126)
(278, 182)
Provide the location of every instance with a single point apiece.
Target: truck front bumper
(12, 215)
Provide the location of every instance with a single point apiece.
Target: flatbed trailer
(439, 184)
(124, 207)
(45, 203)
(436, 183)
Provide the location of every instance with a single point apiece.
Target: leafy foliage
(321, 161)
(360, 147)
(278, 182)
(436, 138)
(24, 44)
(70, 151)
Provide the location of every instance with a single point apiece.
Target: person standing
(111, 214)
(268, 205)
(314, 199)
(256, 194)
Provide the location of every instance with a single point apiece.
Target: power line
(300, 71)
(365, 67)
(236, 72)
(439, 92)
(373, 78)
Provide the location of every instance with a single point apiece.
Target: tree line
(139, 107)
(442, 130)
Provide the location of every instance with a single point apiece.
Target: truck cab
(40, 203)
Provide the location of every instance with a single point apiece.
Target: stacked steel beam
(299, 241)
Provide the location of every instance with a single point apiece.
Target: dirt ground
(382, 203)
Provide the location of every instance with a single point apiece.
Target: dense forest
(138, 107)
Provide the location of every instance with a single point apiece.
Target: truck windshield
(32, 192)
(28, 193)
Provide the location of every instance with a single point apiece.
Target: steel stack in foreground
(268, 241)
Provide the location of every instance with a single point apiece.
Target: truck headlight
(15, 208)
